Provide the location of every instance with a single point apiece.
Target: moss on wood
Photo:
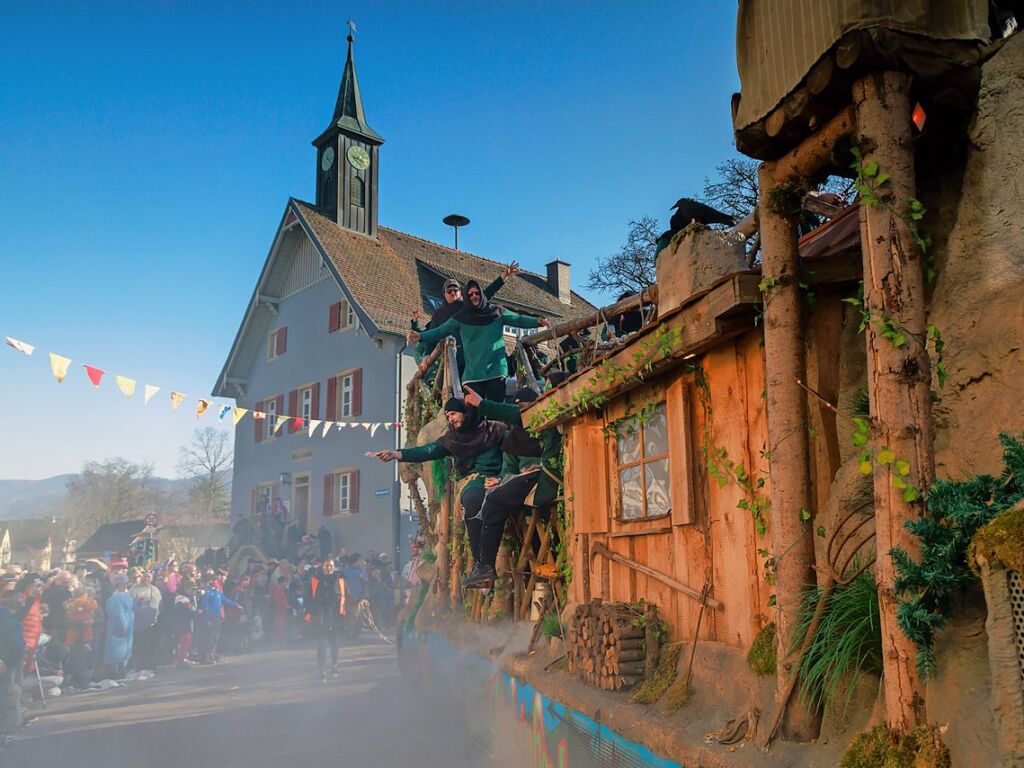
(883, 748)
(762, 657)
(652, 689)
(1002, 539)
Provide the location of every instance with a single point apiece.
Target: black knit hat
(455, 404)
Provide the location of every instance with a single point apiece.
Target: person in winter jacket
(184, 622)
(475, 445)
(120, 627)
(325, 605)
(211, 617)
(480, 328)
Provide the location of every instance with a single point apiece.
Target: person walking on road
(325, 597)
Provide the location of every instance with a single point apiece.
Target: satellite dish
(456, 220)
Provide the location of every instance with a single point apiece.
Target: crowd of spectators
(96, 625)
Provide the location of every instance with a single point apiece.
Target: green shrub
(957, 509)
(550, 626)
(668, 663)
(882, 748)
(848, 640)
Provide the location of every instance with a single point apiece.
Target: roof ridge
(463, 253)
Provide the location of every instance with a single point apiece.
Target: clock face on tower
(327, 159)
(358, 158)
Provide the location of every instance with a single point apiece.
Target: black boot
(481, 577)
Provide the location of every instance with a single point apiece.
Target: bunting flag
(59, 366)
(21, 346)
(126, 385)
(95, 375)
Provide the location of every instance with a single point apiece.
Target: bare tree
(112, 491)
(735, 190)
(632, 268)
(206, 461)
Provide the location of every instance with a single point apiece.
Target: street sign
(152, 520)
(382, 492)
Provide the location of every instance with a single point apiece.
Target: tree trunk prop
(785, 367)
(899, 375)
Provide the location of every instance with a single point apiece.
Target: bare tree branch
(632, 268)
(207, 462)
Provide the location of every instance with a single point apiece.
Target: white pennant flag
(313, 424)
(373, 428)
(365, 425)
(327, 428)
(21, 346)
(354, 424)
(148, 394)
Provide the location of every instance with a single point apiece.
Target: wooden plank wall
(720, 544)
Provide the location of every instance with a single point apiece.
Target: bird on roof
(688, 210)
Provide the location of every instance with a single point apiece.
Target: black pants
(328, 634)
(472, 500)
(500, 503)
(490, 389)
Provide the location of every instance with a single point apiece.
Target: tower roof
(348, 111)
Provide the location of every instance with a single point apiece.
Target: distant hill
(30, 499)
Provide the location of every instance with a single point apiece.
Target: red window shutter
(357, 392)
(334, 317)
(328, 495)
(353, 491)
(258, 423)
(332, 399)
(314, 409)
(282, 340)
(254, 500)
(293, 410)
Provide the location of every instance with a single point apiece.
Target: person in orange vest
(325, 607)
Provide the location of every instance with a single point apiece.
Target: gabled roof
(111, 537)
(385, 278)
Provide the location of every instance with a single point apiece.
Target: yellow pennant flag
(126, 385)
(59, 366)
(176, 398)
(238, 413)
(150, 391)
(201, 407)
(280, 423)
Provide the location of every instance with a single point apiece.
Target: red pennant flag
(95, 375)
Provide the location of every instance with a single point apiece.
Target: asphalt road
(267, 709)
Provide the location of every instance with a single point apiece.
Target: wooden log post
(443, 537)
(899, 377)
(785, 365)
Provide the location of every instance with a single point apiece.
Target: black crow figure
(687, 210)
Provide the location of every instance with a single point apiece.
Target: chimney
(558, 280)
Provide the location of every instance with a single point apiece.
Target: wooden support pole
(647, 296)
(785, 365)
(814, 154)
(443, 536)
(899, 378)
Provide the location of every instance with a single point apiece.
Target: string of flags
(60, 366)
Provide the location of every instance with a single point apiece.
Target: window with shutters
(342, 317)
(642, 464)
(349, 316)
(270, 420)
(342, 492)
(306, 403)
(276, 343)
(345, 399)
(345, 395)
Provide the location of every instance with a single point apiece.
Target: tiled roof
(390, 275)
(112, 537)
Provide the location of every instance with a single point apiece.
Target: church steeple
(347, 153)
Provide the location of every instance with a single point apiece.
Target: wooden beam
(814, 154)
(899, 377)
(785, 365)
(600, 549)
(647, 296)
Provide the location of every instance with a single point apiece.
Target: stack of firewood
(605, 646)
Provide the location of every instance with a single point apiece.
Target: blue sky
(147, 151)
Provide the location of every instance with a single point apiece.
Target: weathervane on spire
(351, 30)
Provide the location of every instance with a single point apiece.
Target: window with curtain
(642, 465)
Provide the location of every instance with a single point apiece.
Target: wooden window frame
(272, 345)
(303, 390)
(344, 501)
(269, 421)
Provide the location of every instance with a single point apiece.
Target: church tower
(347, 152)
